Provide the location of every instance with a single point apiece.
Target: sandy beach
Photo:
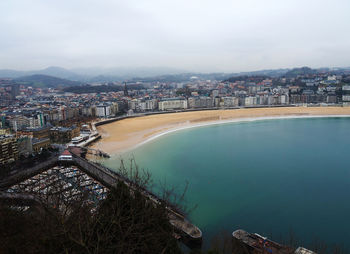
(126, 134)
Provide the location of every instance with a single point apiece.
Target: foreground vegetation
(123, 223)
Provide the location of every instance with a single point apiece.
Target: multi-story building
(138, 105)
(200, 102)
(86, 111)
(295, 99)
(250, 101)
(331, 98)
(53, 115)
(134, 104)
(262, 99)
(8, 149)
(63, 135)
(25, 146)
(39, 144)
(114, 108)
(151, 105)
(15, 90)
(346, 94)
(172, 103)
(229, 101)
(283, 99)
(103, 110)
(19, 122)
(191, 102)
(42, 132)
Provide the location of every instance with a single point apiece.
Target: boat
(189, 233)
(247, 243)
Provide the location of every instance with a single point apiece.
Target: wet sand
(126, 134)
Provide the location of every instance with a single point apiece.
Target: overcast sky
(193, 35)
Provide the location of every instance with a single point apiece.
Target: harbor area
(70, 182)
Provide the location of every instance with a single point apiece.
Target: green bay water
(268, 176)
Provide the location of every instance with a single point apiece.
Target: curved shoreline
(238, 120)
(128, 134)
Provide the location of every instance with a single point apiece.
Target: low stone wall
(97, 172)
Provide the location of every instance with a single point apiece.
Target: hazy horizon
(99, 69)
(196, 36)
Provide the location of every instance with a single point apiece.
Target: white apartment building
(103, 110)
(170, 104)
(250, 101)
(229, 101)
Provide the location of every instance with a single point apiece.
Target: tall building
(103, 110)
(125, 90)
(15, 90)
(8, 149)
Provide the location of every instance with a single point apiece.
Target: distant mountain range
(92, 74)
(51, 71)
(60, 77)
(300, 71)
(38, 80)
(121, 74)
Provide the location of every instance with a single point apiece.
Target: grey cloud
(223, 35)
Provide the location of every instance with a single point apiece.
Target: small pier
(88, 140)
(93, 137)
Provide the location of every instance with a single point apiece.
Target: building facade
(170, 104)
(8, 149)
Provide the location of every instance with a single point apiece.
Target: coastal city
(34, 117)
(180, 127)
